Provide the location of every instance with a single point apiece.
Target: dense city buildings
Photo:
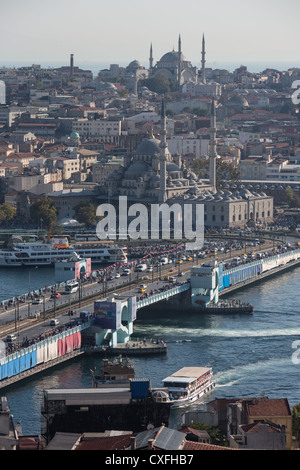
(170, 134)
(64, 128)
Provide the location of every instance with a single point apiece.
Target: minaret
(163, 154)
(135, 88)
(151, 57)
(213, 146)
(203, 78)
(180, 60)
(72, 65)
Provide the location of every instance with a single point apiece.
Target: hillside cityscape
(169, 133)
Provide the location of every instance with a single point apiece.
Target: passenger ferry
(47, 253)
(188, 384)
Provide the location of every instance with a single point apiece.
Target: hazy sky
(119, 31)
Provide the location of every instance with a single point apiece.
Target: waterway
(250, 354)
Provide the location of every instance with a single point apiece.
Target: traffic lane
(94, 287)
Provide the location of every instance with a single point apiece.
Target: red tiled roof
(188, 429)
(269, 407)
(189, 445)
(105, 443)
(253, 427)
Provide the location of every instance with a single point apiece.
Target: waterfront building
(73, 268)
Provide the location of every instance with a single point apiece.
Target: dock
(261, 277)
(111, 335)
(131, 348)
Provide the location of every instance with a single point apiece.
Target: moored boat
(225, 307)
(116, 372)
(47, 253)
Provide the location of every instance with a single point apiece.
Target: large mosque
(174, 66)
(153, 175)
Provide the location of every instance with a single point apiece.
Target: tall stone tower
(180, 60)
(213, 146)
(71, 65)
(203, 77)
(151, 58)
(163, 154)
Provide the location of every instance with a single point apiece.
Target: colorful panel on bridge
(108, 314)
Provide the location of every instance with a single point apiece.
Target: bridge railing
(164, 295)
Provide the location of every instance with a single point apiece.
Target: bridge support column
(204, 284)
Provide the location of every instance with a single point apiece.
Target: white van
(54, 322)
(141, 268)
(126, 272)
(11, 338)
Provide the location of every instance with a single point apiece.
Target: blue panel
(16, 366)
(27, 361)
(139, 388)
(10, 369)
(22, 363)
(4, 371)
(33, 358)
(221, 276)
(226, 280)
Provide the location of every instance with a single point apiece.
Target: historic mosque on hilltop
(152, 175)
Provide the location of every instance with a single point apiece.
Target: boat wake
(237, 374)
(195, 333)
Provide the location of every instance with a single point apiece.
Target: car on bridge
(55, 295)
(142, 288)
(11, 338)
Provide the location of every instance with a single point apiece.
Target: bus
(72, 287)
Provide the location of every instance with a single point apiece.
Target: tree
(85, 213)
(217, 437)
(200, 166)
(292, 198)
(296, 421)
(158, 84)
(43, 209)
(226, 173)
(7, 212)
(123, 93)
(289, 195)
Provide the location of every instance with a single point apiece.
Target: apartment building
(188, 144)
(101, 170)
(36, 184)
(97, 127)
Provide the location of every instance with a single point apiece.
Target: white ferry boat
(47, 253)
(188, 384)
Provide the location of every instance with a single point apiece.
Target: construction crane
(50, 231)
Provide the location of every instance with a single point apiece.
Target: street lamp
(29, 278)
(29, 288)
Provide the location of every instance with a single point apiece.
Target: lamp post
(29, 278)
(29, 287)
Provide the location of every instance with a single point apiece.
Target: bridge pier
(205, 284)
(114, 317)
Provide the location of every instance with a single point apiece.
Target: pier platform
(131, 348)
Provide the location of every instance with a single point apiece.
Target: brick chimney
(132, 442)
(150, 444)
